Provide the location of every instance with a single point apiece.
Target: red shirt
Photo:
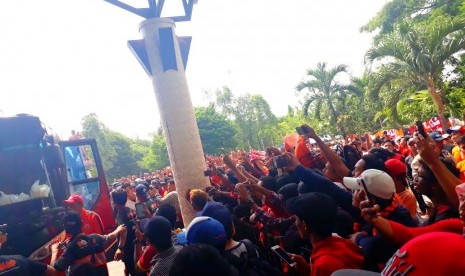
(335, 253)
(91, 222)
(144, 262)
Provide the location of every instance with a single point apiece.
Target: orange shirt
(91, 222)
(409, 201)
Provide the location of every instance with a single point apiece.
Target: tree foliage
(326, 94)
(413, 57)
(252, 117)
(120, 155)
(216, 131)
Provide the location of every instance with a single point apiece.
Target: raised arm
(335, 160)
(230, 163)
(430, 155)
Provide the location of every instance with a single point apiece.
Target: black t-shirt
(85, 249)
(16, 265)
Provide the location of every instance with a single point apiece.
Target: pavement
(116, 268)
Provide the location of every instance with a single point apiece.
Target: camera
(279, 161)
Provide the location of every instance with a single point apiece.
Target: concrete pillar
(175, 107)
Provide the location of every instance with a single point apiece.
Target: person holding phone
(378, 188)
(316, 220)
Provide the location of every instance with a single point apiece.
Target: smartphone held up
(283, 255)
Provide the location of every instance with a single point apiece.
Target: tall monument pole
(163, 56)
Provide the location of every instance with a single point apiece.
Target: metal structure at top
(155, 8)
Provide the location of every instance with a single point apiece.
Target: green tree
(216, 131)
(414, 56)
(93, 128)
(120, 155)
(397, 11)
(326, 94)
(158, 156)
(251, 115)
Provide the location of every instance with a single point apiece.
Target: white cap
(378, 183)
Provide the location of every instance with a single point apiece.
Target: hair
(269, 183)
(449, 163)
(286, 179)
(73, 229)
(242, 211)
(126, 185)
(119, 196)
(198, 197)
(167, 211)
(461, 140)
(344, 224)
(381, 153)
(391, 142)
(199, 260)
(322, 215)
(373, 162)
(158, 232)
(220, 169)
(288, 191)
(273, 172)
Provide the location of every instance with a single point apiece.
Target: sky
(63, 59)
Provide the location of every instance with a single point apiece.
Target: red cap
(75, 199)
(436, 253)
(395, 167)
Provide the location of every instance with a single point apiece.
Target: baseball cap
(75, 199)
(316, 209)
(433, 253)
(395, 167)
(454, 129)
(141, 190)
(378, 183)
(206, 230)
(436, 136)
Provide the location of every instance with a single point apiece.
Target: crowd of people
(365, 206)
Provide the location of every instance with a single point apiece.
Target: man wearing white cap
(379, 188)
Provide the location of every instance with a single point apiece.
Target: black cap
(316, 209)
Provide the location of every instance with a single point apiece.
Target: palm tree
(413, 58)
(325, 92)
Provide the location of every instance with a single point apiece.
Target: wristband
(121, 247)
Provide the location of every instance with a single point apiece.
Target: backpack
(251, 263)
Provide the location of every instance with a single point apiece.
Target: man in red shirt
(316, 220)
(91, 222)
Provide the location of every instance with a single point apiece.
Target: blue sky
(62, 59)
